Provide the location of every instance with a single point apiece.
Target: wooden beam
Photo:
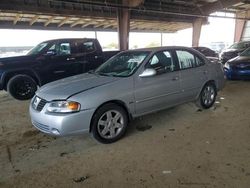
(218, 6)
(88, 23)
(49, 21)
(34, 19)
(16, 19)
(63, 21)
(77, 22)
(109, 24)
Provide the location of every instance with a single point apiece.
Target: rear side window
(86, 47)
(188, 60)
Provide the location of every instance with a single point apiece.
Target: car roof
(69, 39)
(155, 49)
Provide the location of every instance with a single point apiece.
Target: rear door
(159, 91)
(88, 55)
(193, 73)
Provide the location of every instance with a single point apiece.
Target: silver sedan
(130, 84)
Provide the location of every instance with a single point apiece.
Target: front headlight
(63, 107)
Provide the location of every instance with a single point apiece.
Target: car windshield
(122, 65)
(38, 48)
(240, 45)
(246, 53)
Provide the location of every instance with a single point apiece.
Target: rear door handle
(70, 58)
(205, 72)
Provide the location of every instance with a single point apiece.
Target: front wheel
(207, 96)
(109, 123)
(22, 87)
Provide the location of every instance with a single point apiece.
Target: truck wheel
(207, 96)
(22, 87)
(109, 123)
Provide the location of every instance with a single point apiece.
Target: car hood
(8, 60)
(65, 88)
(240, 60)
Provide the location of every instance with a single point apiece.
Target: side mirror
(148, 73)
(50, 53)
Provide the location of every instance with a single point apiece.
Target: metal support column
(239, 27)
(197, 24)
(123, 18)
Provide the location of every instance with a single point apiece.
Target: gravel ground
(181, 147)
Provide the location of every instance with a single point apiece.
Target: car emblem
(36, 102)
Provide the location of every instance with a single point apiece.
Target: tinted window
(86, 47)
(61, 48)
(64, 49)
(37, 49)
(162, 62)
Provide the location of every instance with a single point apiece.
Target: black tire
(101, 115)
(207, 96)
(22, 87)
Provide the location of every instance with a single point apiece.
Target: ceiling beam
(49, 21)
(218, 6)
(16, 19)
(77, 22)
(34, 19)
(63, 21)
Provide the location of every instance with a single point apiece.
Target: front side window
(122, 65)
(162, 62)
(60, 49)
(64, 49)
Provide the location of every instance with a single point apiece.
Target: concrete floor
(180, 147)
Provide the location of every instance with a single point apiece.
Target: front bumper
(232, 74)
(61, 124)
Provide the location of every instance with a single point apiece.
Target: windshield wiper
(103, 74)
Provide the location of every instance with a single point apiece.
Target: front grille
(38, 103)
(41, 127)
(41, 105)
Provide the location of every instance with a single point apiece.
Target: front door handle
(70, 58)
(205, 71)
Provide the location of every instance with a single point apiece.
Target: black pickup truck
(49, 61)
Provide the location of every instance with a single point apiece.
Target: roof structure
(96, 15)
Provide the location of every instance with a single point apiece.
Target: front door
(159, 91)
(62, 63)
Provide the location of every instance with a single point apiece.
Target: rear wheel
(207, 96)
(22, 87)
(109, 123)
